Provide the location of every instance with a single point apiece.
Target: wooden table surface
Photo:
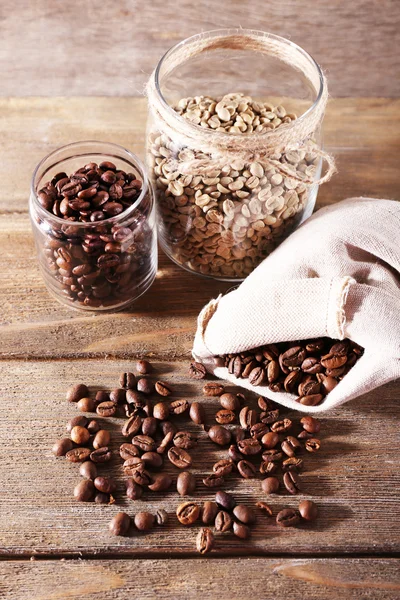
(52, 547)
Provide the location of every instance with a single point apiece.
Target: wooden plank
(354, 479)
(259, 578)
(363, 134)
(111, 49)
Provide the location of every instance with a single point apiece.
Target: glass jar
(96, 251)
(234, 148)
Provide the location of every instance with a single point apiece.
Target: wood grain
(110, 48)
(354, 479)
(192, 579)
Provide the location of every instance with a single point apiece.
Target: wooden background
(76, 70)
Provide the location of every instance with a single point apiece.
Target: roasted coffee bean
(311, 400)
(102, 396)
(133, 490)
(101, 498)
(79, 421)
(119, 525)
(118, 396)
(241, 531)
(214, 480)
(327, 383)
(128, 451)
(145, 386)
(101, 439)
(268, 468)
(161, 517)
(163, 389)
(333, 360)
(224, 416)
(77, 392)
(223, 467)
(238, 434)
(61, 447)
(161, 411)
(304, 435)
(144, 442)
(310, 424)
(244, 514)
(135, 398)
(247, 417)
(185, 440)
(308, 510)
(93, 426)
(86, 405)
(88, 470)
(101, 455)
(204, 541)
(270, 439)
(185, 483)
(293, 357)
(213, 388)
(272, 455)
(105, 485)
(149, 426)
(309, 387)
(311, 365)
(264, 506)
(197, 413)
(167, 427)
(107, 409)
(292, 381)
(270, 485)
(143, 367)
(209, 512)
(270, 416)
(78, 455)
(144, 521)
(127, 380)
(234, 454)
(294, 463)
(160, 482)
(179, 458)
(132, 426)
(219, 435)
(219, 361)
(178, 407)
(252, 364)
(288, 517)
(197, 371)
(277, 386)
(225, 500)
(223, 521)
(273, 371)
(246, 469)
(84, 490)
(152, 460)
(165, 442)
(257, 376)
(249, 446)
(291, 482)
(290, 445)
(188, 513)
(281, 426)
(258, 430)
(140, 475)
(230, 402)
(312, 445)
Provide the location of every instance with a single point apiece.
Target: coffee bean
(290, 445)
(88, 470)
(133, 490)
(212, 388)
(288, 517)
(160, 482)
(77, 392)
(258, 430)
(185, 483)
(219, 435)
(101, 498)
(118, 396)
(270, 416)
(214, 480)
(84, 491)
(140, 475)
(185, 440)
(268, 468)
(80, 435)
(293, 357)
(304, 435)
(188, 513)
(246, 469)
(224, 416)
(143, 367)
(309, 387)
(101, 455)
(196, 413)
(293, 463)
(197, 371)
(101, 439)
(102, 396)
(86, 405)
(93, 426)
(257, 376)
(145, 386)
(149, 426)
(127, 380)
(179, 458)
(311, 365)
(245, 514)
(310, 424)
(178, 407)
(152, 460)
(291, 482)
(308, 510)
(61, 447)
(163, 388)
(204, 541)
(270, 485)
(144, 521)
(230, 402)
(234, 454)
(327, 383)
(247, 417)
(263, 506)
(131, 426)
(161, 411)
(223, 467)
(272, 455)
(270, 440)
(144, 442)
(281, 426)
(128, 451)
(119, 525)
(105, 485)
(223, 521)
(249, 447)
(161, 517)
(167, 427)
(311, 400)
(165, 442)
(292, 381)
(225, 500)
(209, 512)
(78, 455)
(312, 445)
(107, 409)
(333, 360)
(79, 421)
(241, 531)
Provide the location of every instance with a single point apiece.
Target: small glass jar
(233, 148)
(100, 262)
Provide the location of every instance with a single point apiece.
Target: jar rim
(227, 33)
(74, 145)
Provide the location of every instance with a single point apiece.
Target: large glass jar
(96, 242)
(234, 148)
